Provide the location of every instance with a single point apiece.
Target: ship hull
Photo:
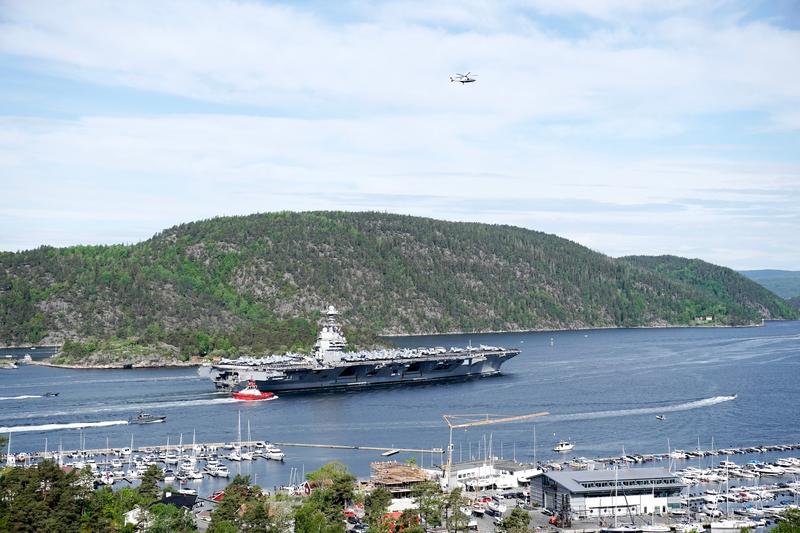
(367, 374)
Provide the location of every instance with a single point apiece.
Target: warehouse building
(599, 493)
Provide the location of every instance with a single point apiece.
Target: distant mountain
(784, 283)
(735, 293)
(257, 283)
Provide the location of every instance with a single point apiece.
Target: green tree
(237, 493)
(170, 519)
(222, 526)
(309, 519)
(429, 501)
(375, 507)
(456, 520)
(790, 522)
(148, 488)
(43, 498)
(516, 522)
(323, 509)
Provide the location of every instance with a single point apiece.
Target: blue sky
(632, 127)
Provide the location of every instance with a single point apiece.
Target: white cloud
(360, 108)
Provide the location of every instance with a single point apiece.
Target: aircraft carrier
(330, 366)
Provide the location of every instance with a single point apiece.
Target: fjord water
(603, 389)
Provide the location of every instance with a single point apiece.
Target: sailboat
(618, 528)
(728, 525)
(652, 527)
(235, 455)
(10, 458)
(247, 455)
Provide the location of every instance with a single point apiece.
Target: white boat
(770, 470)
(273, 452)
(563, 446)
(731, 526)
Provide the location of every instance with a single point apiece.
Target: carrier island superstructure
(330, 366)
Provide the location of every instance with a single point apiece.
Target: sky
(631, 127)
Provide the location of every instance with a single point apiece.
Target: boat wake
(128, 407)
(686, 406)
(71, 425)
(22, 397)
(176, 403)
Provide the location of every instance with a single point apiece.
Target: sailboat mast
(616, 494)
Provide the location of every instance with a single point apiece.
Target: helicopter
(463, 78)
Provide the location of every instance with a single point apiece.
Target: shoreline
(587, 328)
(195, 362)
(122, 366)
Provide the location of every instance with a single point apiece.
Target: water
(603, 389)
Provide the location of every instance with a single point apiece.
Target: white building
(595, 493)
(500, 474)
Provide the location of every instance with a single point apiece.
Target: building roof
(179, 500)
(602, 480)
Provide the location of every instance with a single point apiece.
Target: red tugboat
(251, 393)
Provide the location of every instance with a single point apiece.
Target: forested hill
(784, 283)
(258, 282)
(736, 293)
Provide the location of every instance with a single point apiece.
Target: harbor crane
(469, 421)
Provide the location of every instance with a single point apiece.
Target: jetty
(391, 450)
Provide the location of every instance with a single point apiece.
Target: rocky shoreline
(118, 365)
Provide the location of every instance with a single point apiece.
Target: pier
(391, 450)
(365, 448)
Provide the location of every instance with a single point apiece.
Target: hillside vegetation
(256, 284)
(735, 293)
(784, 283)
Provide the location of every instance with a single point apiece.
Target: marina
(493, 486)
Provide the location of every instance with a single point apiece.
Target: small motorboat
(563, 446)
(251, 393)
(50, 394)
(661, 417)
(146, 418)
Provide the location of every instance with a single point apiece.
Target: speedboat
(563, 446)
(146, 418)
(660, 417)
(251, 393)
(50, 394)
